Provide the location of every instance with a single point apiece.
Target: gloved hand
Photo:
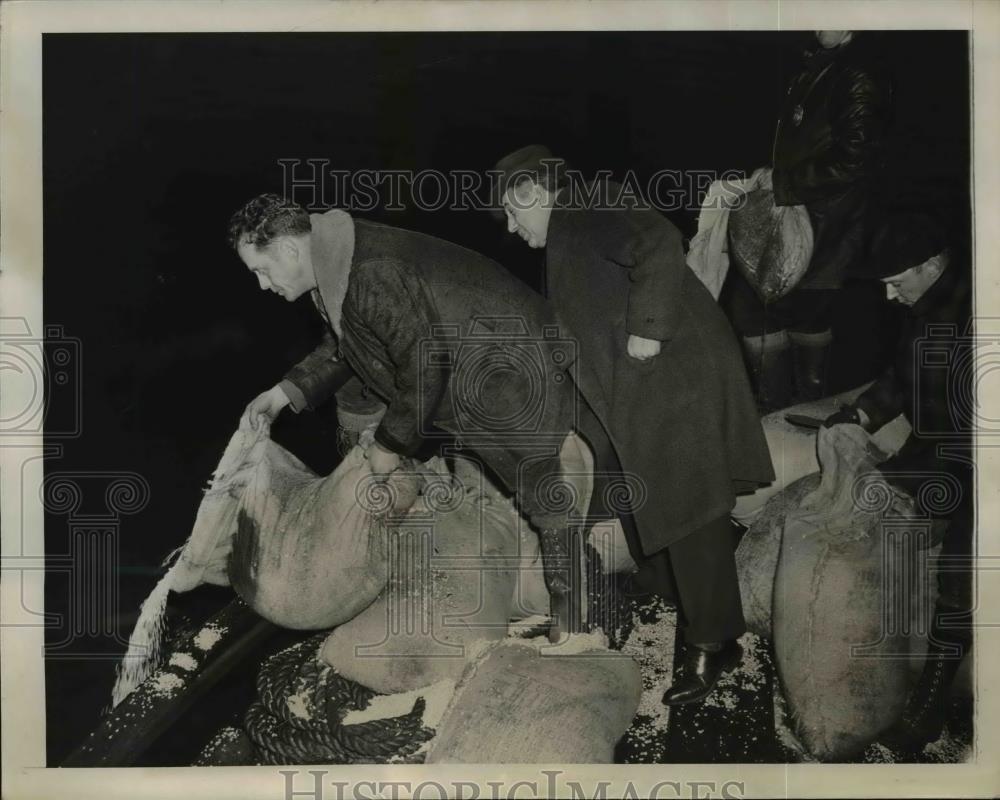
(847, 415)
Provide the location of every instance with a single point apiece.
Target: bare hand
(264, 408)
(642, 349)
(381, 461)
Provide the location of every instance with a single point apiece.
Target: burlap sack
(793, 453)
(303, 551)
(451, 580)
(793, 448)
(520, 703)
(310, 552)
(841, 661)
(205, 555)
(758, 552)
(464, 568)
(771, 245)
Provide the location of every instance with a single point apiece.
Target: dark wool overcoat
(452, 342)
(684, 421)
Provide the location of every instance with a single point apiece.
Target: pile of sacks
(423, 580)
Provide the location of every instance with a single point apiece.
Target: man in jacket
(448, 339)
(827, 150)
(929, 382)
(665, 382)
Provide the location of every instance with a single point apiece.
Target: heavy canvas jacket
(684, 421)
(447, 338)
(827, 149)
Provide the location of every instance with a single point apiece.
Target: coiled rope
(301, 702)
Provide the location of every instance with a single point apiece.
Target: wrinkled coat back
(685, 421)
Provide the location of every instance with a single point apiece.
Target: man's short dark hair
(265, 218)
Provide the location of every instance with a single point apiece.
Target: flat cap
(534, 160)
(903, 241)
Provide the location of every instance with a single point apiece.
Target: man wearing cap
(929, 382)
(437, 332)
(665, 382)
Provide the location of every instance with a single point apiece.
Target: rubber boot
(810, 356)
(769, 361)
(557, 566)
(926, 712)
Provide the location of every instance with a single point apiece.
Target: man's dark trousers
(698, 571)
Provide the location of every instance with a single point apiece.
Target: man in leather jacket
(447, 339)
(827, 150)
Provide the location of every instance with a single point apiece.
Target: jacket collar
(817, 54)
(332, 243)
(949, 288)
(570, 198)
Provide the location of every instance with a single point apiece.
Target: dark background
(152, 141)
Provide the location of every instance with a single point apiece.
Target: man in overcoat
(447, 338)
(664, 379)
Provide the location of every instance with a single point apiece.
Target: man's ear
(539, 193)
(288, 247)
(930, 266)
(546, 196)
(941, 261)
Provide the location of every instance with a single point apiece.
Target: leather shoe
(700, 671)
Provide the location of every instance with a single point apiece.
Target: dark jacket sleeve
(317, 376)
(650, 247)
(386, 306)
(882, 401)
(859, 110)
